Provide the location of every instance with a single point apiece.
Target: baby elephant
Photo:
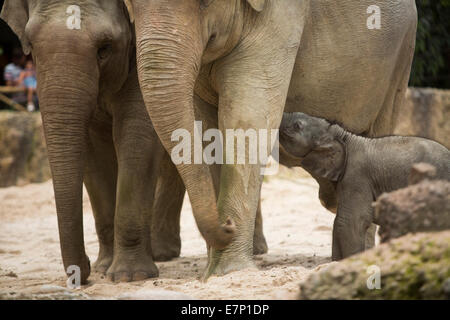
(361, 169)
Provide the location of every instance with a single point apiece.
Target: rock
(48, 288)
(418, 208)
(8, 273)
(420, 172)
(147, 294)
(425, 113)
(52, 295)
(45, 292)
(23, 155)
(412, 267)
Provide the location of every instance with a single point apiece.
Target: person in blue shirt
(28, 80)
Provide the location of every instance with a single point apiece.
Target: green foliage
(431, 66)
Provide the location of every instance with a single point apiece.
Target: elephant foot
(85, 268)
(129, 267)
(103, 263)
(221, 263)
(259, 244)
(165, 249)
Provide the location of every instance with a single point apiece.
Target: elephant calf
(360, 168)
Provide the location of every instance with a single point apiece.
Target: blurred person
(12, 76)
(28, 80)
(14, 69)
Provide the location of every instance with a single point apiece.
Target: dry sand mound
(297, 228)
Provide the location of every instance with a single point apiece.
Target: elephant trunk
(169, 53)
(66, 106)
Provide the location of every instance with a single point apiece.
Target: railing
(8, 101)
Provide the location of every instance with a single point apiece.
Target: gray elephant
(251, 59)
(361, 169)
(98, 131)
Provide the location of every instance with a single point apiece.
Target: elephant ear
(326, 161)
(130, 10)
(257, 5)
(15, 14)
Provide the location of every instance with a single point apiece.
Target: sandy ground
(297, 228)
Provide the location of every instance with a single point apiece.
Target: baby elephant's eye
(104, 51)
(297, 126)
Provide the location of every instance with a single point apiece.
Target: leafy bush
(431, 66)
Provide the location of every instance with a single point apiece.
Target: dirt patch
(297, 228)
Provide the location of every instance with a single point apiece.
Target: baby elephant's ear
(326, 161)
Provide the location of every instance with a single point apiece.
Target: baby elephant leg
(336, 252)
(348, 238)
(352, 221)
(370, 236)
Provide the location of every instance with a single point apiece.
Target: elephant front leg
(353, 219)
(239, 202)
(139, 153)
(100, 178)
(250, 105)
(132, 239)
(348, 238)
(170, 190)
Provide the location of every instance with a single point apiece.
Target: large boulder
(425, 113)
(424, 206)
(23, 155)
(416, 266)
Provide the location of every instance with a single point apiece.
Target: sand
(297, 228)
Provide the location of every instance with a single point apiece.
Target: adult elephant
(251, 59)
(97, 130)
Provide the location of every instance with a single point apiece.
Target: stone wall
(426, 113)
(23, 155)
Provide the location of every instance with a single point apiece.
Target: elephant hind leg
(169, 195)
